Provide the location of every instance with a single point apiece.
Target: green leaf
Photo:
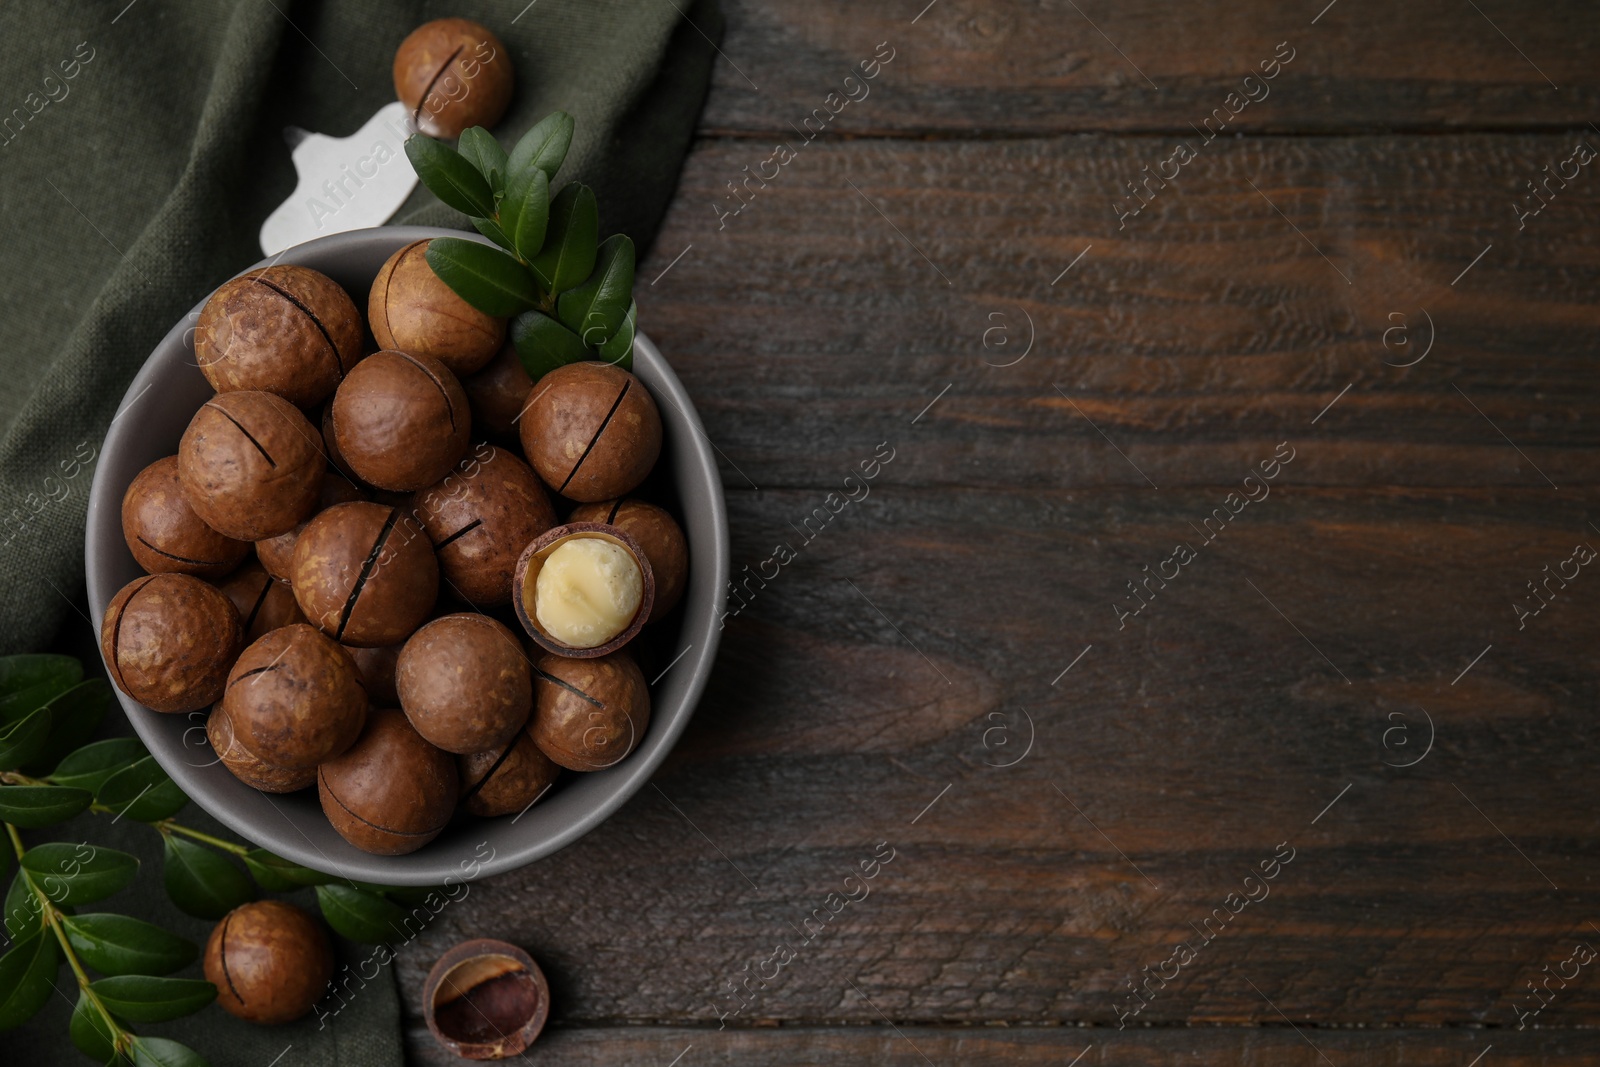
(160, 1052)
(141, 998)
(449, 176)
(360, 915)
(278, 875)
(545, 146)
(595, 310)
(484, 277)
(75, 716)
(525, 212)
(543, 344)
(120, 944)
(410, 896)
(572, 241)
(143, 792)
(24, 672)
(201, 882)
(24, 739)
(91, 1032)
(23, 914)
(78, 874)
(618, 349)
(91, 765)
(478, 147)
(27, 978)
(491, 229)
(33, 806)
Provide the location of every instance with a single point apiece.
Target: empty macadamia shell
(248, 767)
(591, 431)
(165, 535)
(480, 517)
(365, 574)
(498, 392)
(264, 604)
(391, 792)
(506, 780)
(269, 960)
(453, 73)
(295, 698)
(589, 714)
(412, 310)
(465, 683)
(283, 329)
(277, 553)
(485, 1000)
(658, 533)
(168, 641)
(526, 586)
(401, 421)
(250, 465)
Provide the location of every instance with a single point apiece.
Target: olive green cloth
(141, 146)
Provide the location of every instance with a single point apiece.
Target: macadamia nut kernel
(588, 592)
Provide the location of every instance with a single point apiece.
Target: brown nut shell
(295, 698)
(526, 580)
(284, 329)
(277, 553)
(453, 73)
(163, 532)
(168, 641)
(269, 960)
(498, 392)
(465, 683)
(412, 310)
(480, 518)
(391, 792)
(485, 1000)
(264, 604)
(248, 767)
(658, 533)
(401, 421)
(365, 574)
(589, 714)
(591, 431)
(376, 667)
(250, 465)
(507, 779)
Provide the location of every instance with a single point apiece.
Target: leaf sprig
(47, 710)
(569, 295)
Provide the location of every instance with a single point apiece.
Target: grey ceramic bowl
(158, 405)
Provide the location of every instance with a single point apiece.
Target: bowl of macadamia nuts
(379, 601)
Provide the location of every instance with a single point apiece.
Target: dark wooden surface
(944, 668)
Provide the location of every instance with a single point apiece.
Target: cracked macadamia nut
(250, 465)
(506, 779)
(453, 73)
(283, 329)
(248, 767)
(588, 592)
(277, 553)
(365, 574)
(295, 698)
(269, 960)
(589, 713)
(658, 534)
(412, 310)
(498, 392)
(480, 518)
(377, 672)
(168, 641)
(464, 682)
(264, 604)
(165, 535)
(401, 421)
(391, 792)
(591, 431)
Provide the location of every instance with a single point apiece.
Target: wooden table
(1329, 356)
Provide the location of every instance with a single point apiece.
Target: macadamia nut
(588, 592)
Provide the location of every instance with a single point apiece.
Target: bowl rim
(699, 636)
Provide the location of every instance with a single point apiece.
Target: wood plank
(1181, 349)
(1045, 1047)
(858, 700)
(990, 67)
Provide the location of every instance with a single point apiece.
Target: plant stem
(168, 826)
